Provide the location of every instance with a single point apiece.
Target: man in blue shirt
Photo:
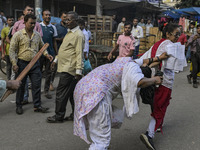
(61, 29)
(49, 34)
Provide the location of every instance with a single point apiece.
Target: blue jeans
(136, 52)
(35, 77)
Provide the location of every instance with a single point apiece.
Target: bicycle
(93, 59)
(3, 63)
(3, 66)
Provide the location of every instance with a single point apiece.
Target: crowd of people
(91, 93)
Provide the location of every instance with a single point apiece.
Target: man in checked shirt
(23, 47)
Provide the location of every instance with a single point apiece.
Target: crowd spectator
(141, 23)
(194, 42)
(114, 24)
(125, 43)
(49, 36)
(5, 44)
(137, 33)
(183, 38)
(120, 27)
(61, 28)
(148, 26)
(2, 20)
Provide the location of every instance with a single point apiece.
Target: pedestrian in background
(5, 46)
(194, 43)
(137, 33)
(120, 27)
(49, 36)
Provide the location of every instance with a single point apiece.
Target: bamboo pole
(26, 70)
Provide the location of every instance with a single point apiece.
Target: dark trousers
(48, 73)
(195, 66)
(8, 67)
(64, 91)
(35, 77)
(136, 52)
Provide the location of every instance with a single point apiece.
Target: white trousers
(99, 120)
(151, 127)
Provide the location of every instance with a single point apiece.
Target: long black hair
(169, 28)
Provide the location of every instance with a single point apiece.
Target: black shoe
(148, 141)
(69, 118)
(41, 109)
(19, 110)
(195, 85)
(189, 79)
(47, 95)
(54, 119)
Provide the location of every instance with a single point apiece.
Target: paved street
(30, 130)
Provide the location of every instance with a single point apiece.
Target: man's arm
(155, 59)
(132, 47)
(79, 54)
(11, 85)
(14, 46)
(140, 33)
(54, 40)
(112, 51)
(55, 46)
(145, 82)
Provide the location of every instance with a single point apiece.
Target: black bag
(147, 94)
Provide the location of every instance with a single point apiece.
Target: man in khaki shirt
(23, 47)
(70, 66)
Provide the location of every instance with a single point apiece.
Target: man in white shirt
(148, 26)
(120, 27)
(81, 24)
(137, 33)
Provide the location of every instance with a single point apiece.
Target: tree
(188, 3)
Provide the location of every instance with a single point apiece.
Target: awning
(171, 14)
(194, 11)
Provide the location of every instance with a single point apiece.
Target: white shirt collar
(49, 25)
(74, 29)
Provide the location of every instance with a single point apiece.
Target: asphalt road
(30, 131)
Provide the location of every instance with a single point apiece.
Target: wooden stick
(26, 70)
